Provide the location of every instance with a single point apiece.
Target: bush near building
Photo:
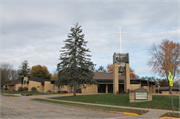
(25, 89)
(20, 89)
(33, 89)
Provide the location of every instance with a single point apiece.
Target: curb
(131, 114)
(169, 117)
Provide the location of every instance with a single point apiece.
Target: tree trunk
(74, 92)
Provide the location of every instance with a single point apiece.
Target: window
(24, 82)
(10, 86)
(37, 86)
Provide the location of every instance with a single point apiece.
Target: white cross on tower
(120, 38)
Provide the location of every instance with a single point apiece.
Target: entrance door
(121, 88)
(102, 88)
(110, 88)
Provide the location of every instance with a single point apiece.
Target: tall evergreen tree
(75, 67)
(24, 69)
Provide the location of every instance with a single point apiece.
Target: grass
(169, 114)
(158, 101)
(26, 92)
(139, 112)
(9, 95)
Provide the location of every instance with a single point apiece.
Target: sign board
(141, 94)
(170, 79)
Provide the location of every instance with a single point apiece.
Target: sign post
(171, 84)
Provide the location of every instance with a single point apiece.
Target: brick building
(105, 81)
(165, 90)
(13, 85)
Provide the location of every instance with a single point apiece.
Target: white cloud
(35, 31)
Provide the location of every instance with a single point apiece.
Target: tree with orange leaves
(165, 58)
(132, 72)
(40, 71)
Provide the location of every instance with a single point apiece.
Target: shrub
(65, 92)
(128, 90)
(20, 89)
(60, 91)
(33, 89)
(78, 90)
(25, 89)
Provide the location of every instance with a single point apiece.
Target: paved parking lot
(19, 107)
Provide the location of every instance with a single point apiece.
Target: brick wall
(39, 87)
(48, 86)
(153, 89)
(145, 87)
(17, 86)
(134, 86)
(127, 84)
(115, 79)
(90, 89)
(11, 88)
(25, 85)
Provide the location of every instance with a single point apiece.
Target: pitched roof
(108, 76)
(33, 78)
(12, 83)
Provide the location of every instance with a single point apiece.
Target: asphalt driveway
(19, 107)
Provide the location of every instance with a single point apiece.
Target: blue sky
(34, 30)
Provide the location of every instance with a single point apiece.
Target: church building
(105, 84)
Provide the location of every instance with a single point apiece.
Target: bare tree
(7, 73)
(165, 58)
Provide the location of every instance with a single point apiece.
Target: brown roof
(167, 88)
(12, 83)
(108, 76)
(33, 78)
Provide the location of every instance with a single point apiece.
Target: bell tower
(121, 60)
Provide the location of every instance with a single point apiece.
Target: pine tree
(24, 69)
(75, 67)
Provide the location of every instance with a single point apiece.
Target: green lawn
(158, 102)
(25, 92)
(94, 106)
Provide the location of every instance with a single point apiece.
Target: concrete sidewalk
(153, 113)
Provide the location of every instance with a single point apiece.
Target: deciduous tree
(156, 80)
(54, 76)
(40, 71)
(163, 83)
(7, 73)
(165, 58)
(75, 67)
